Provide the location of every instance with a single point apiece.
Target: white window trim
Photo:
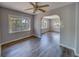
(44, 27)
(19, 17)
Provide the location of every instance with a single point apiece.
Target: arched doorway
(50, 35)
(55, 23)
(50, 23)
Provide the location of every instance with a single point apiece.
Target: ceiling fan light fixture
(37, 7)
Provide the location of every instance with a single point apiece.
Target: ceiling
(21, 6)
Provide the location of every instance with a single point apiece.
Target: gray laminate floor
(47, 46)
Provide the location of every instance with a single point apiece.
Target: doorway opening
(50, 24)
(50, 32)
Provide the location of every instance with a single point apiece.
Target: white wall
(77, 29)
(0, 26)
(67, 32)
(37, 25)
(67, 17)
(0, 34)
(8, 37)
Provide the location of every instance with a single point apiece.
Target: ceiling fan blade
(32, 4)
(36, 3)
(29, 9)
(42, 10)
(34, 10)
(43, 6)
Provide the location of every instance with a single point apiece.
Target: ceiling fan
(36, 7)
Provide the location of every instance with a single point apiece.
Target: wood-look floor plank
(47, 46)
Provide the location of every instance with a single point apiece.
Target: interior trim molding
(76, 18)
(67, 46)
(76, 53)
(70, 48)
(16, 39)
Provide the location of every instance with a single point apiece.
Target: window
(18, 24)
(56, 23)
(44, 23)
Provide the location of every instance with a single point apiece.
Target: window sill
(19, 31)
(44, 28)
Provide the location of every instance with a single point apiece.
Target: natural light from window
(19, 24)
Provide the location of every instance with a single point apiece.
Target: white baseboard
(67, 46)
(76, 53)
(16, 39)
(70, 48)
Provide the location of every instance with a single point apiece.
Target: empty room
(39, 29)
